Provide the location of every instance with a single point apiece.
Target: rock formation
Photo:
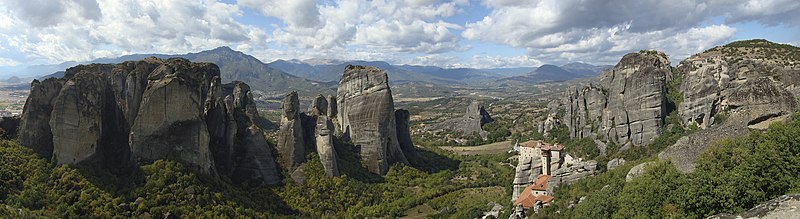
(319, 106)
(471, 123)
(404, 134)
(627, 106)
(637, 171)
(170, 119)
(291, 140)
(366, 114)
(34, 129)
(324, 143)
(148, 110)
(785, 206)
(753, 104)
(728, 94)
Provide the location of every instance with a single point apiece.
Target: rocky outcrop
(549, 124)
(34, 128)
(319, 106)
(324, 146)
(404, 134)
(785, 206)
(366, 115)
(572, 172)
(170, 119)
(637, 171)
(528, 168)
(141, 111)
(636, 103)
(614, 163)
(291, 140)
(471, 123)
(76, 120)
(755, 103)
(331, 106)
(251, 155)
(626, 107)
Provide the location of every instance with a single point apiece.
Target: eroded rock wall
(366, 115)
(140, 111)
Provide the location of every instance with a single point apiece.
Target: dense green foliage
(730, 177)
(31, 187)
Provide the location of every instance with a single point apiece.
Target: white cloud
(296, 13)
(414, 26)
(80, 30)
(398, 31)
(4, 62)
(602, 31)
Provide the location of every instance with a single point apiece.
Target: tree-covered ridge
(732, 176)
(31, 187)
(756, 49)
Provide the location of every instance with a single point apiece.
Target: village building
(536, 195)
(551, 154)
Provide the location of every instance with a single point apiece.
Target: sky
(461, 33)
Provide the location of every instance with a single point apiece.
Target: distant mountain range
(311, 77)
(331, 70)
(552, 73)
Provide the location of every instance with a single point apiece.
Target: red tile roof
(541, 144)
(540, 184)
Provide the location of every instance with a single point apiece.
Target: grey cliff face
(319, 106)
(170, 120)
(141, 111)
(754, 104)
(636, 103)
(291, 140)
(366, 114)
(324, 145)
(404, 134)
(34, 130)
(628, 105)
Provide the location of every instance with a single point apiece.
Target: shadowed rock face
(34, 129)
(324, 145)
(148, 110)
(291, 140)
(404, 134)
(366, 114)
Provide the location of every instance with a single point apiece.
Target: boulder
(614, 163)
(291, 142)
(637, 170)
(366, 116)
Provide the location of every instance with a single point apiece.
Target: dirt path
(493, 148)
